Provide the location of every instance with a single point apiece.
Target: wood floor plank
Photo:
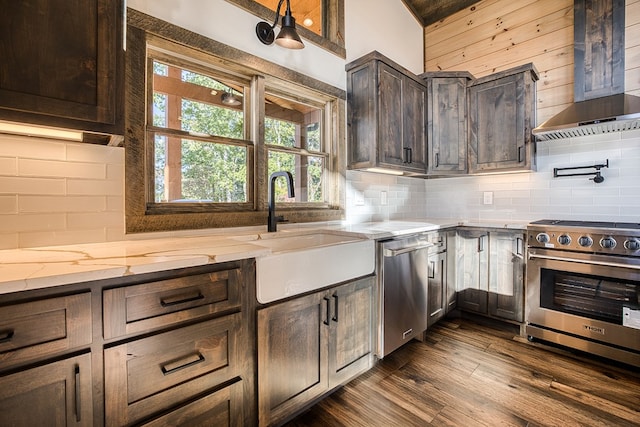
(468, 374)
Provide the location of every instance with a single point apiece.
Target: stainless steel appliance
(403, 290)
(583, 287)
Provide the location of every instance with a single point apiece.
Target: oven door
(585, 296)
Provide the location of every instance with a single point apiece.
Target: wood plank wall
(495, 35)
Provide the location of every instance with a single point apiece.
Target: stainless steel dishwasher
(403, 291)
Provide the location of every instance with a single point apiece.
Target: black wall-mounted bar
(597, 176)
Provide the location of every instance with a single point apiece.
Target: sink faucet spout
(273, 219)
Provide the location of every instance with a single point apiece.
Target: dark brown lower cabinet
(310, 345)
(168, 348)
(55, 394)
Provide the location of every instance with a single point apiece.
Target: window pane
(212, 120)
(307, 13)
(190, 101)
(307, 174)
(197, 171)
(292, 124)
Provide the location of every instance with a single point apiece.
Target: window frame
(149, 33)
(332, 15)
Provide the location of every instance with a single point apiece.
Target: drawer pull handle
(171, 301)
(327, 313)
(182, 363)
(335, 308)
(78, 392)
(6, 336)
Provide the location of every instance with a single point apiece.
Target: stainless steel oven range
(583, 287)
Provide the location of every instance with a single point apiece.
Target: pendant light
(228, 98)
(288, 36)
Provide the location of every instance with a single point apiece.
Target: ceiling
(428, 12)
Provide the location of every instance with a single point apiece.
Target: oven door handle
(395, 252)
(601, 263)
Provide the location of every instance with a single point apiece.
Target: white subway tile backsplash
(8, 240)
(32, 185)
(9, 204)
(89, 187)
(31, 204)
(32, 148)
(62, 237)
(537, 195)
(91, 220)
(8, 166)
(50, 168)
(95, 153)
(32, 222)
(55, 192)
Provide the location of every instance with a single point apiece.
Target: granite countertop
(42, 267)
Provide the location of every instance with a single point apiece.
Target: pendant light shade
(229, 98)
(288, 36)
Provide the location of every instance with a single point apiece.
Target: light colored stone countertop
(42, 267)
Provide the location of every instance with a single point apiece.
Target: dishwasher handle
(395, 252)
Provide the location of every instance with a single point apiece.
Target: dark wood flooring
(467, 374)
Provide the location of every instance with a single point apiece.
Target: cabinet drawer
(142, 377)
(153, 305)
(220, 408)
(37, 329)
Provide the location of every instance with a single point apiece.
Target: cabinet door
(59, 63)
(361, 116)
(436, 294)
(56, 394)
(447, 125)
(497, 125)
(506, 278)
(414, 126)
(351, 339)
(292, 355)
(390, 116)
(473, 270)
(451, 274)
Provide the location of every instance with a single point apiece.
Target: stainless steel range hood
(612, 113)
(600, 104)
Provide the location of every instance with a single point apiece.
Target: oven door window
(595, 297)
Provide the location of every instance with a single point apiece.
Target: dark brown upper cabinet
(61, 64)
(502, 113)
(447, 121)
(386, 116)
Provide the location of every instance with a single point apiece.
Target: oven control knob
(585, 241)
(632, 244)
(608, 242)
(543, 238)
(564, 239)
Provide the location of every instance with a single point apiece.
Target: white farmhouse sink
(303, 263)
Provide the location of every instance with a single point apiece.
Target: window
(293, 137)
(205, 132)
(200, 154)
